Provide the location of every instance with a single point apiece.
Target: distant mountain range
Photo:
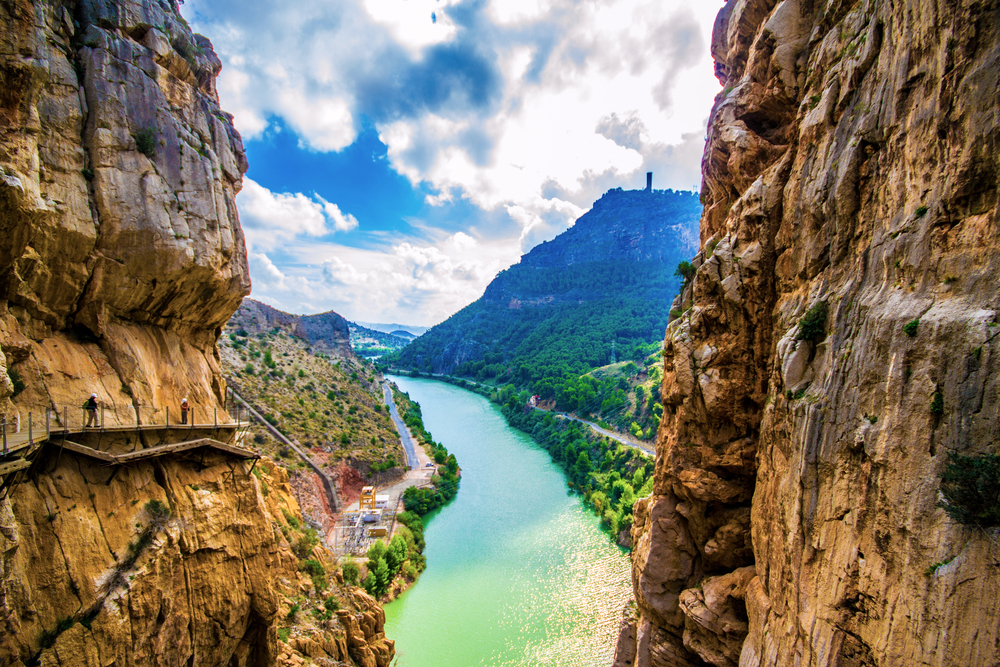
(372, 342)
(394, 329)
(325, 332)
(601, 288)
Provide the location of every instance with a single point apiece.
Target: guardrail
(15, 433)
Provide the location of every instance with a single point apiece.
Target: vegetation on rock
(970, 486)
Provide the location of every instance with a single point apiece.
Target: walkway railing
(18, 432)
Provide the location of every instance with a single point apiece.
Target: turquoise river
(518, 571)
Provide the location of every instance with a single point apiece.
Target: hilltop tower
(649, 181)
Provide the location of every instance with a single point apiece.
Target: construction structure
(374, 518)
(368, 498)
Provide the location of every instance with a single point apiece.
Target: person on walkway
(90, 407)
(184, 410)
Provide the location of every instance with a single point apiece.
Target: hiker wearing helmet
(184, 410)
(90, 407)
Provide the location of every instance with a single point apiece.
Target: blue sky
(402, 152)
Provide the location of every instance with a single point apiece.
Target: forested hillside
(608, 280)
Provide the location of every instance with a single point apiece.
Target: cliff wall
(172, 562)
(122, 252)
(850, 180)
(121, 258)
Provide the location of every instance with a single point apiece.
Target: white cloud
(341, 222)
(527, 109)
(421, 283)
(271, 219)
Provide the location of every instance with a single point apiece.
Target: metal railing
(15, 432)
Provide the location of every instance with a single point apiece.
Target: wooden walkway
(20, 451)
(13, 442)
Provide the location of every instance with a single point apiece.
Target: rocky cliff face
(326, 332)
(122, 252)
(170, 563)
(850, 180)
(121, 258)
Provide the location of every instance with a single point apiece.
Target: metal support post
(48, 423)
(3, 426)
(66, 419)
(215, 418)
(192, 417)
(101, 425)
(31, 440)
(167, 423)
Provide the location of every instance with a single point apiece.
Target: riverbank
(394, 565)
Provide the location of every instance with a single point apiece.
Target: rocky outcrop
(168, 563)
(121, 258)
(325, 332)
(851, 184)
(122, 253)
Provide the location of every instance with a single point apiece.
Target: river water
(518, 572)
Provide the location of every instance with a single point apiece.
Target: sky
(403, 152)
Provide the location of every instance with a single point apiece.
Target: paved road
(404, 433)
(651, 451)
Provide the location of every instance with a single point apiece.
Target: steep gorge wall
(122, 254)
(851, 161)
(80, 585)
(121, 258)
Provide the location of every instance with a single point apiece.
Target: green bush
(351, 572)
(910, 328)
(971, 489)
(813, 324)
(937, 403)
(157, 511)
(304, 546)
(686, 271)
(15, 379)
(145, 141)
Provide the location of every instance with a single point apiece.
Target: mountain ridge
(608, 278)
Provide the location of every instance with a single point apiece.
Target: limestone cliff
(121, 257)
(850, 182)
(173, 562)
(122, 254)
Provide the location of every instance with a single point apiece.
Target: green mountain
(607, 280)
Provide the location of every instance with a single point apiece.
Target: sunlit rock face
(851, 161)
(121, 257)
(121, 253)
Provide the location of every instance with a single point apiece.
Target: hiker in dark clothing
(184, 410)
(90, 407)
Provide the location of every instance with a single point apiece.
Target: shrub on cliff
(812, 326)
(686, 271)
(145, 141)
(971, 489)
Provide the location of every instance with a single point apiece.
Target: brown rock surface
(122, 254)
(851, 161)
(80, 586)
(121, 258)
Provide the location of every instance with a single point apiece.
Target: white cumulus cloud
(271, 219)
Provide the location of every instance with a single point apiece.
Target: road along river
(518, 572)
